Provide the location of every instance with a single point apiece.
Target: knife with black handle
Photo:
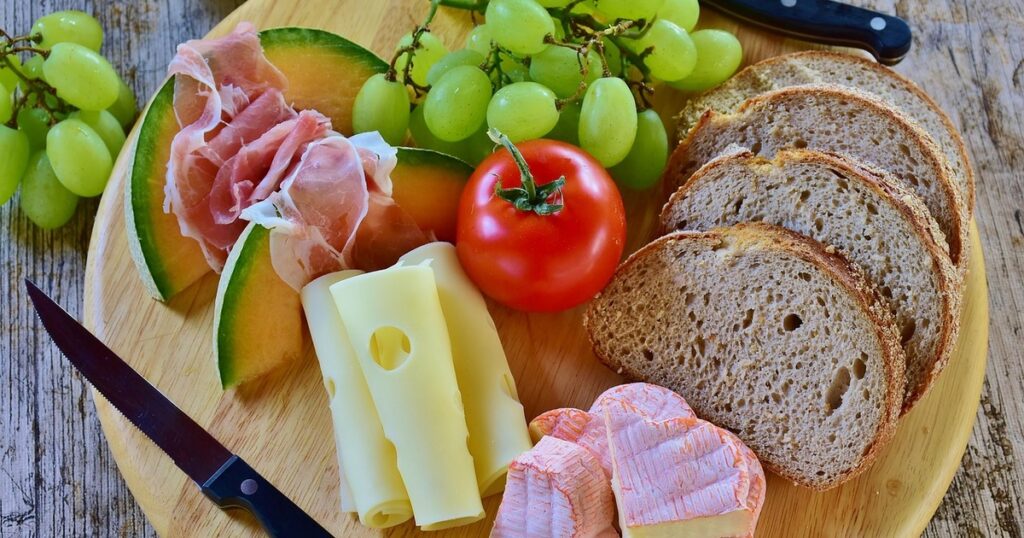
(222, 476)
(886, 37)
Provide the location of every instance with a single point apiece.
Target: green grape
(629, 9)
(684, 13)
(8, 78)
(613, 55)
(125, 107)
(69, 27)
(81, 77)
(35, 123)
(105, 125)
(453, 59)
(6, 103)
(559, 29)
(673, 55)
(523, 111)
(558, 68)
(78, 157)
(44, 200)
(472, 150)
(383, 106)
(431, 50)
(14, 148)
(456, 106)
(719, 54)
(568, 127)
(519, 25)
(645, 162)
(553, 3)
(608, 121)
(514, 68)
(479, 40)
(33, 67)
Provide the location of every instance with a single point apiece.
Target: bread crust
(750, 75)
(889, 190)
(844, 274)
(675, 173)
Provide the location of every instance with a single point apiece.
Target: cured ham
(680, 477)
(226, 94)
(557, 489)
(334, 211)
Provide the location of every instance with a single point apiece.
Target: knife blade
(221, 475)
(886, 37)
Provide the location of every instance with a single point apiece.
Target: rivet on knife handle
(886, 37)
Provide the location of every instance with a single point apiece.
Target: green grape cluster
(63, 115)
(579, 71)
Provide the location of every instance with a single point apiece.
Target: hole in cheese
(389, 347)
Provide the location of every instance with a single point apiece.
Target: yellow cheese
(494, 415)
(370, 482)
(395, 323)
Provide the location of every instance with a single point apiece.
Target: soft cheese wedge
(370, 483)
(681, 477)
(556, 489)
(397, 329)
(494, 415)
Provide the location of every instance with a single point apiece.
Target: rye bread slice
(766, 333)
(840, 120)
(883, 229)
(816, 67)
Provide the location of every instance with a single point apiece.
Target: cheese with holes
(370, 483)
(557, 489)
(680, 477)
(396, 326)
(494, 415)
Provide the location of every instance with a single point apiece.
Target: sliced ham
(217, 82)
(258, 168)
(334, 211)
(557, 489)
(680, 477)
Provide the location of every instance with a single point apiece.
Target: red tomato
(541, 262)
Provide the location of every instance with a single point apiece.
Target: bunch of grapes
(63, 113)
(580, 71)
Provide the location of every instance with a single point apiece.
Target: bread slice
(816, 67)
(883, 229)
(836, 119)
(763, 332)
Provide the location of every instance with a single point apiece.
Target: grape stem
(529, 197)
(409, 51)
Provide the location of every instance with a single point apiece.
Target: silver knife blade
(193, 449)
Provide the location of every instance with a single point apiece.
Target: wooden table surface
(57, 477)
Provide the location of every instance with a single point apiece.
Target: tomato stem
(528, 197)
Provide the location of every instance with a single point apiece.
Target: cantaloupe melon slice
(324, 70)
(258, 318)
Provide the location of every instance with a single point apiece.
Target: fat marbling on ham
(334, 211)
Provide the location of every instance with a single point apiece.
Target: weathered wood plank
(56, 474)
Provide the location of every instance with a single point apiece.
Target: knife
(886, 37)
(222, 476)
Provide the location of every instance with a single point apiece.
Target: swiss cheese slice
(557, 489)
(370, 483)
(494, 415)
(396, 326)
(680, 477)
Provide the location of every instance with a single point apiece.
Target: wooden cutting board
(281, 424)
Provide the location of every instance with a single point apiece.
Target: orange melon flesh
(427, 185)
(257, 317)
(324, 70)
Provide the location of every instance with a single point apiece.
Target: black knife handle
(237, 485)
(888, 38)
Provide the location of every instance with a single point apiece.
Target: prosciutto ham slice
(226, 95)
(334, 211)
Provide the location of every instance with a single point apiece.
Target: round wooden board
(281, 424)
